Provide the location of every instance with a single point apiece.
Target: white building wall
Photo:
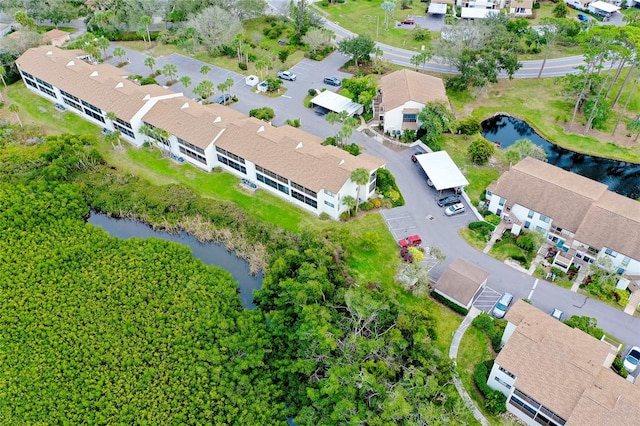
(500, 381)
(537, 222)
(620, 261)
(393, 118)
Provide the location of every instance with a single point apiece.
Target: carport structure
(442, 171)
(603, 8)
(337, 103)
(437, 9)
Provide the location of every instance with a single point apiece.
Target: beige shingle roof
(563, 196)
(553, 362)
(612, 221)
(294, 154)
(103, 86)
(461, 280)
(195, 123)
(609, 400)
(406, 85)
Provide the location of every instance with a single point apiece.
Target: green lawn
(472, 238)
(360, 17)
(474, 348)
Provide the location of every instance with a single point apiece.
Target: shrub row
(386, 185)
(448, 303)
(494, 400)
(492, 327)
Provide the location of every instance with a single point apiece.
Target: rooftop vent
(299, 145)
(49, 53)
(218, 119)
(70, 63)
(185, 105)
(146, 97)
(261, 129)
(341, 163)
(94, 74)
(120, 85)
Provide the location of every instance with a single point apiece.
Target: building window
(330, 204)
(502, 201)
(507, 372)
(93, 114)
(230, 155)
(329, 193)
(71, 104)
(194, 155)
(530, 214)
(123, 123)
(626, 261)
(190, 146)
(273, 175)
(92, 107)
(31, 83)
(47, 91)
(611, 253)
(489, 194)
(272, 183)
(303, 189)
(503, 383)
(545, 219)
(301, 197)
(70, 96)
(527, 224)
(26, 74)
(540, 229)
(409, 118)
(239, 167)
(124, 130)
(44, 83)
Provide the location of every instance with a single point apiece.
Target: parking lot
(400, 222)
(486, 299)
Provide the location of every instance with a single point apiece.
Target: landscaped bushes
(482, 228)
(264, 113)
(448, 303)
(494, 400)
(492, 327)
(618, 367)
(386, 185)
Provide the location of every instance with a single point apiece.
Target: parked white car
(632, 359)
(454, 209)
(502, 305)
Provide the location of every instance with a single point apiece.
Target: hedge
(454, 306)
(493, 328)
(495, 401)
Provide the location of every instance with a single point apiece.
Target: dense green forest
(100, 330)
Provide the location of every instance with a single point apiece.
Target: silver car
(502, 305)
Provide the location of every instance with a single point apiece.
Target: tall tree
(170, 71)
(421, 58)
(146, 21)
(150, 62)
(119, 53)
(316, 38)
(360, 177)
(214, 27)
(103, 43)
(359, 48)
(634, 126)
(229, 82)
(551, 31)
(389, 6)
(205, 89)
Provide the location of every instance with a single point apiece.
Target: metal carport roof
(442, 170)
(437, 9)
(337, 103)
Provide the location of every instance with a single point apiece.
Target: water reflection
(620, 176)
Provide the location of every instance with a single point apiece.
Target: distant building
(285, 161)
(56, 37)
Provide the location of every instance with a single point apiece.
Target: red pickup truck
(410, 241)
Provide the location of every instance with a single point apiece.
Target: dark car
(448, 200)
(414, 157)
(582, 17)
(332, 81)
(223, 99)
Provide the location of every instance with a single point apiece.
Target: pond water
(620, 176)
(209, 253)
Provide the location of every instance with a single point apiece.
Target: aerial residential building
(402, 95)
(285, 161)
(586, 221)
(553, 374)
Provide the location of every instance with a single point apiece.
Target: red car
(410, 241)
(408, 21)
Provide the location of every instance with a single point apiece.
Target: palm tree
(146, 21)
(634, 126)
(205, 69)
(229, 83)
(16, 109)
(112, 116)
(222, 88)
(360, 177)
(170, 70)
(185, 80)
(150, 62)
(348, 125)
(103, 43)
(119, 53)
(349, 202)
(204, 89)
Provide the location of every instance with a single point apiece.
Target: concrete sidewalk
(453, 354)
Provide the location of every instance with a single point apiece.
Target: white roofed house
(285, 161)
(402, 95)
(586, 221)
